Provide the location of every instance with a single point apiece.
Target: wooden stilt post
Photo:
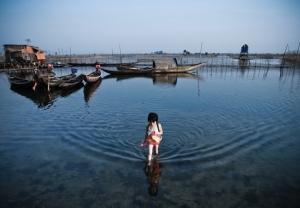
(48, 87)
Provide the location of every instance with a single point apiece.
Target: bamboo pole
(283, 58)
(48, 87)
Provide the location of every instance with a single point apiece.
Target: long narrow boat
(158, 67)
(127, 71)
(72, 82)
(155, 70)
(102, 64)
(20, 82)
(93, 76)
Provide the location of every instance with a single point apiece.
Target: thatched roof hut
(165, 64)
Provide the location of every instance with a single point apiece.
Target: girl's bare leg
(156, 149)
(150, 153)
(35, 84)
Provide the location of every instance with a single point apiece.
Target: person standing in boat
(97, 66)
(36, 78)
(153, 135)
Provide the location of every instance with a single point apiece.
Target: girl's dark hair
(153, 117)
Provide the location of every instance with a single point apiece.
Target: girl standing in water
(153, 134)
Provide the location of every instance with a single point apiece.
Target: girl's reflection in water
(153, 173)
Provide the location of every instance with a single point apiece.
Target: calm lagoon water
(231, 139)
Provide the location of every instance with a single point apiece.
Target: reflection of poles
(281, 74)
(296, 57)
(266, 73)
(283, 58)
(298, 83)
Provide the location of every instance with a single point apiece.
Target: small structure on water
(23, 57)
(244, 53)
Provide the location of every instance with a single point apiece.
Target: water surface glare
(231, 139)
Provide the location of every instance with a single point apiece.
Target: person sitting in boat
(50, 67)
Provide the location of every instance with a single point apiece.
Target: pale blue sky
(140, 26)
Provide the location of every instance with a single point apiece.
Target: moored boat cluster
(48, 80)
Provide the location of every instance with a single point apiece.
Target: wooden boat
(45, 74)
(118, 64)
(158, 67)
(135, 70)
(58, 64)
(92, 77)
(72, 82)
(127, 71)
(54, 82)
(20, 82)
(81, 64)
(102, 64)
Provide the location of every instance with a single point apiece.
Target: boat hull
(92, 77)
(18, 82)
(135, 70)
(72, 82)
(54, 82)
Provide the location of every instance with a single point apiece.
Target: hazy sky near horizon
(138, 26)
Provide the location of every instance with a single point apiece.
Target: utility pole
(28, 41)
(120, 53)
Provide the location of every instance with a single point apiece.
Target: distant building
(20, 56)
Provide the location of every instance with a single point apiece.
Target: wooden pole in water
(283, 60)
(200, 52)
(48, 87)
(120, 54)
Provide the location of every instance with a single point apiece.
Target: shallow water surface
(231, 139)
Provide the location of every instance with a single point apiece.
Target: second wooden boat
(92, 77)
(72, 82)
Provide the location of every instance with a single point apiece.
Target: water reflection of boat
(168, 78)
(90, 88)
(45, 99)
(69, 91)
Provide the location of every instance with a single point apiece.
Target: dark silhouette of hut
(244, 53)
